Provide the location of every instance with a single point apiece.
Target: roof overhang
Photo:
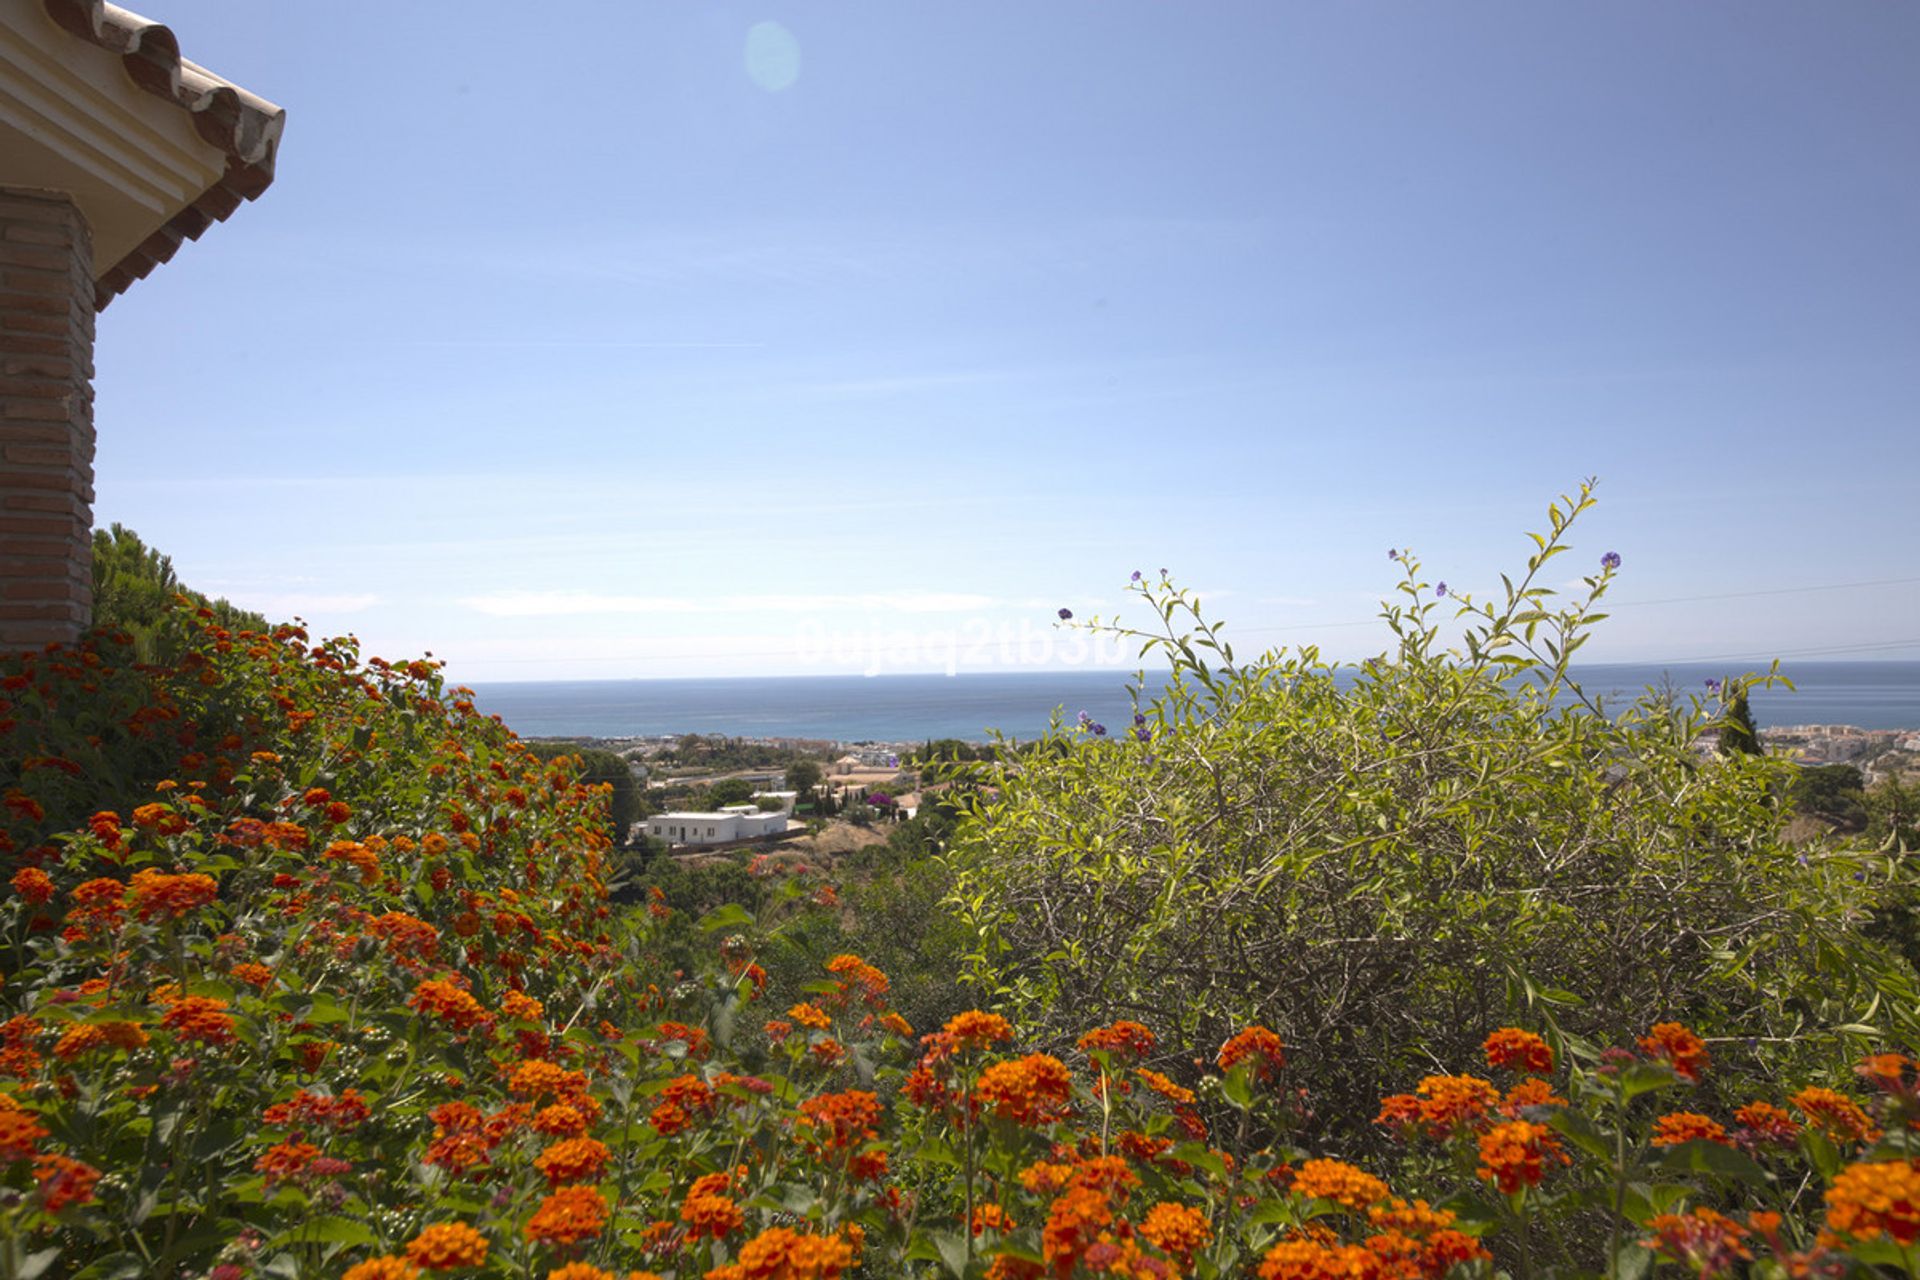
(97, 102)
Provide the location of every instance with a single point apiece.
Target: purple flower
(1393, 555)
(1085, 719)
(1163, 573)
(1143, 733)
(1136, 575)
(1097, 729)
(1713, 686)
(1441, 590)
(1138, 718)
(1065, 614)
(1611, 560)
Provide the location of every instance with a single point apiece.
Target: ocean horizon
(908, 708)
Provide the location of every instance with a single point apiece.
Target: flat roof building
(730, 825)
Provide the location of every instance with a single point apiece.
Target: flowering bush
(313, 975)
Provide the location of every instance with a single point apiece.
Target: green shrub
(134, 590)
(596, 767)
(1379, 860)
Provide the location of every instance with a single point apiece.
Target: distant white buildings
(867, 758)
(729, 825)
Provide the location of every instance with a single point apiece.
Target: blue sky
(705, 338)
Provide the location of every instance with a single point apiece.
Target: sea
(912, 708)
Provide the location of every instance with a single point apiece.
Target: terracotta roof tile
(243, 125)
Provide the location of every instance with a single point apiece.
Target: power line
(1878, 646)
(1771, 591)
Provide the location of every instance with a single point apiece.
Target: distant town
(1876, 753)
(694, 795)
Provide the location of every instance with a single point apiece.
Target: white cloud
(555, 604)
(286, 604)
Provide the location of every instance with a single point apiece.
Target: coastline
(1866, 697)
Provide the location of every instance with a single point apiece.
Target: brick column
(46, 419)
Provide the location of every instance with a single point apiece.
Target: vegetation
(1893, 813)
(1380, 868)
(134, 590)
(1833, 792)
(1737, 730)
(311, 971)
(596, 767)
(725, 792)
(718, 754)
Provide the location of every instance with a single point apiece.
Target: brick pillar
(46, 419)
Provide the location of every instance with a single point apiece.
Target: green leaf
(325, 1010)
(1013, 1249)
(938, 1151)
(1644, 1078)
(1821, 1151)
(1881, 1253)
(731, 916)
(1582, 1132)
(1702, 1156)
(953, 1251)
(327, 1229)
(1632, 1262)
(1270, 1211)
(1199, 1157)
(1475, 1214)
(115, 1266)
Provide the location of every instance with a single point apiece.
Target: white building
(787, 799)
(734, 823)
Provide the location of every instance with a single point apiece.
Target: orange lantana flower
(573, 1160)
(1683, 1050)
(1687, 1126)
(1123, 1039)
(789, 1255)
(1257, 1046)
(976, 1030)
(1836, 1115)
(447, 1246)
(1176, 1229)
(1871, 1200)
(388, 1267)
(1035, 1089)
(1517, 1050)
(1339, 1182)
(568, 1215)
(1301, 1259)
(453, 1004)
(1514, 1155)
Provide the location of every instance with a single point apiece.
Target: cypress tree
(1738, 734)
